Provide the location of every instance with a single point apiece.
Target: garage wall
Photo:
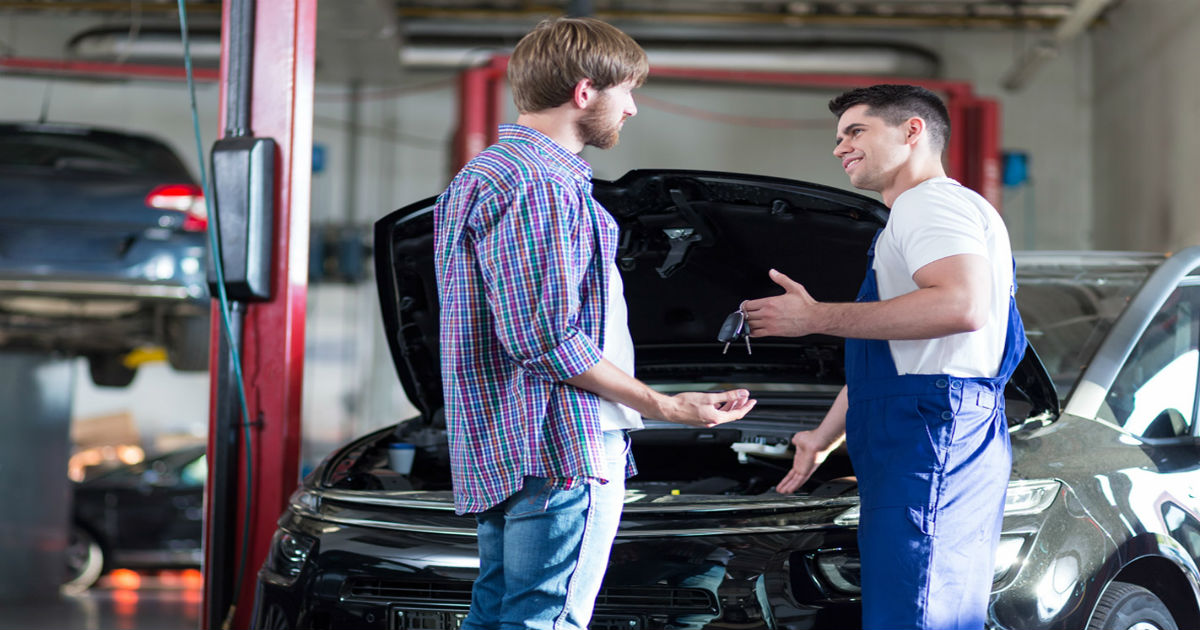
(403, 154)
(770, 131)
(1147, 141)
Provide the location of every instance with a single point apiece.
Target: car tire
(84, 561)
(1130, 607)
(109, 370)
(187, 342)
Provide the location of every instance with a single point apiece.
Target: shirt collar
(574, 164)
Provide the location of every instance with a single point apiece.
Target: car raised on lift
(102, 249)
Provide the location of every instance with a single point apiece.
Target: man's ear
(584, 93)
(914, 128)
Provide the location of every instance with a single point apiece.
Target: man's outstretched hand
(699, 409)
(810, 452)
(793, 314)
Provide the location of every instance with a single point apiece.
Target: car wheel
(187, 341)
(85, 561)
(1130, 607)
(109, 370)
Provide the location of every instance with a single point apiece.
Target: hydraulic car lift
(274, 68)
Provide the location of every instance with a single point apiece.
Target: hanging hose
(225, 310)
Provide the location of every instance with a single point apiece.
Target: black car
(102, 248)
(1102, 518)
(139, 516)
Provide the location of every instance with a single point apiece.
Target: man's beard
(595, 130)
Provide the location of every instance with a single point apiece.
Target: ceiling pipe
(1075, 23)
(829, 59)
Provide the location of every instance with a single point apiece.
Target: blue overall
(932, 458)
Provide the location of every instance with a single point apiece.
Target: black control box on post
(244, 186)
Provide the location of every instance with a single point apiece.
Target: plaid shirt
(520, 252)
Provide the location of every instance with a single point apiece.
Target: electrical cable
(227, 327)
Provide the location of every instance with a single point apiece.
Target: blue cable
(215, 247)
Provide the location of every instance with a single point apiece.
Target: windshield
(1069, 302)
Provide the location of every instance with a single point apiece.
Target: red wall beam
(100, 70)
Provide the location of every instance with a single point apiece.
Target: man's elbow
(970, 317)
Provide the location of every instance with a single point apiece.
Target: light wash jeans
(543, 552)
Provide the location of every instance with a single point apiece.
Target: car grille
(654, 599)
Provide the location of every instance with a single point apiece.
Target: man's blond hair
(560, 52)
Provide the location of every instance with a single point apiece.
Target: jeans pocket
(532, 498)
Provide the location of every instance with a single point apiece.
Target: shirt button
(941, 383)
(946, 415)
(956, 385)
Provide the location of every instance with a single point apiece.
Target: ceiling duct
(153, 45)
(862, 59)
(1071, 26)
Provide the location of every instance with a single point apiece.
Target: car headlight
(1030, 496)
(285, 560)
(1027, 496)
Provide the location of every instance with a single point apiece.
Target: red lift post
(282, 61)
(973, 156)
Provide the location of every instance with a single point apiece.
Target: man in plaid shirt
(537, 359)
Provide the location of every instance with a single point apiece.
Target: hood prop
(682, 239)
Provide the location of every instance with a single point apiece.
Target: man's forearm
(833, 427)
(609, 382)
(923, 314)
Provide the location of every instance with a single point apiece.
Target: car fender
(1162, 565)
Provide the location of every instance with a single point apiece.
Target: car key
(733, 328)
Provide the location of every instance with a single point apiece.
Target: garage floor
(123, 601)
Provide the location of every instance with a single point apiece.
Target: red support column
(273, 334)
(473, 116)
(982, 137)
(480, 109)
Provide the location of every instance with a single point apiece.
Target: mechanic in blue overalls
(930, 344)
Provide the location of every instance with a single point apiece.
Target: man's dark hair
(896, 104)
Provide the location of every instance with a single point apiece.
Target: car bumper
(170, 269)
(682, 571)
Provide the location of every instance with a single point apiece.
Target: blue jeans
(543, 551)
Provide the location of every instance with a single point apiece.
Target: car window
(90, 153)
(1154, 395)
(1068, 309)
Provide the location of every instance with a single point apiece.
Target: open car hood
(693, 246)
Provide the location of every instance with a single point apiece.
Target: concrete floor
(166, 601)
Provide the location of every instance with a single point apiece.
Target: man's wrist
(660, 406)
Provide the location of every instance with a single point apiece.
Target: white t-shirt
(933, 220)
(618, 348)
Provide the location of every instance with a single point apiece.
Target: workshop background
(1098, 103)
